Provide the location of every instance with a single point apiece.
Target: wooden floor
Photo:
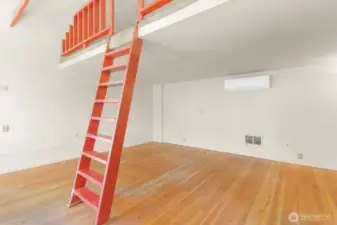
(169, 184)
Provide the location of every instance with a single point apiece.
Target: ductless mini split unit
(248, 83)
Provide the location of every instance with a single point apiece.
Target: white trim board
(189, 11)
(182, 14)
(87, 55)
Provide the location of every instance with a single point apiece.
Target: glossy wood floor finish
(169, 184)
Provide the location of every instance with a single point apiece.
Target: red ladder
(102, 202)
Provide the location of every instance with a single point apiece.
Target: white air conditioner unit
(248, 83)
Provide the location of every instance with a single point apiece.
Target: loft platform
(169, 14)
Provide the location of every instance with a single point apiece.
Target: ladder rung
(88, 197)
(114, 68)
(96, 156)
(119, 52)
(101, 137)
(93, 176)
(107, 100)
(109, 119)
(112, 83)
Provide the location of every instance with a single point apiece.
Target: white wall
(297, 115)
(48, 110)
(49, 113)
(157, 104)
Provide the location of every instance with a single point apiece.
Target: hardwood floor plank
(261, 209)
(171, 184)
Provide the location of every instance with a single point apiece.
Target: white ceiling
(243, 36)
(240, 36)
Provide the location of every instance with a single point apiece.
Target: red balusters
(63, 45)
(90, 22)
(71, 33)
(96, 16)
(80, 27)
(85, 23)
(89, 25)
(112, 16)
(75, 34)
(67, 41)
(103, 14)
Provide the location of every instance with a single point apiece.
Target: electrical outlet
(5, 128)
(300, 156)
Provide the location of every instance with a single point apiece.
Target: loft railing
(90, 23)
(144, 9)
(96, 19)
